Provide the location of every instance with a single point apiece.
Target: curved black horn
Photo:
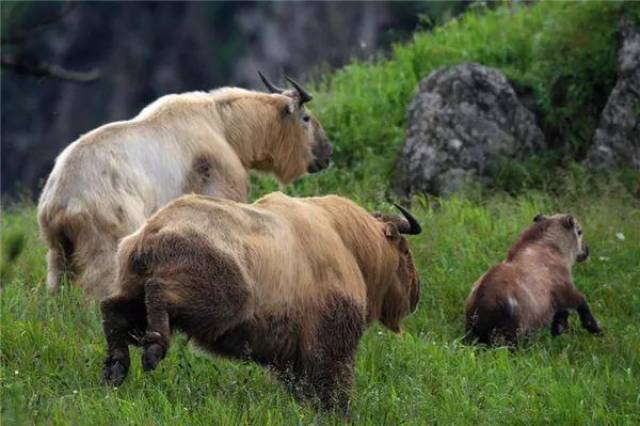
(272, 88)
(414, 226)
(304, 95)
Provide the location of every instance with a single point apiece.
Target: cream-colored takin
(533, 287)
(104, 185)
(290, 283)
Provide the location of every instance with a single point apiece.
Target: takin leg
(570, 297)
(587, 319)
(493, 324)
(207, 304)
(122, 321)
(477, 330)
(560, 322)
(89, 252)
(329, 364)
(157, 337)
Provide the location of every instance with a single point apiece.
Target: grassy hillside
(51, 348)
(561, 56)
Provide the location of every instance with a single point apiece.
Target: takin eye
(579, 231)
(306, 118)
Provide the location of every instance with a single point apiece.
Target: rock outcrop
(617, 139)
(461, 121)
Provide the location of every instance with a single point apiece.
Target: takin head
(561, 231)
(303, 140)
(404, 292)
(565, 232)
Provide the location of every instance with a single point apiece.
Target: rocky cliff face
(144, 50)
(617, 139)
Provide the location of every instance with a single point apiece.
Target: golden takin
(533, 287)
(105, 184)
(289, 283)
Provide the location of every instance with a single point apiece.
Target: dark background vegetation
(142, 50)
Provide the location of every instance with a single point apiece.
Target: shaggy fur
(105, 184)
(533, 287)
(288, 283)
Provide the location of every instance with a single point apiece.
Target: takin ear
(292, 106)
(393, 309)
(538, 217)
(391, 231)
(568, 222)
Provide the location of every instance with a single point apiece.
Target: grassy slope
(52, 348)
(559, 52)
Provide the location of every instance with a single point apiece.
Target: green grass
(52, 347)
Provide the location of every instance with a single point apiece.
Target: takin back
(533, 287)
(104, 185)
(289, 283)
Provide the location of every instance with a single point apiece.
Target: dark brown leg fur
(571, 298)
(123, 320)
(560, 322)
(586, 318)
(492, 325)
(156, 339)
(328, 368)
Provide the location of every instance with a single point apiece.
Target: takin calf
(290, 283)
(104, 185)
(533, 287)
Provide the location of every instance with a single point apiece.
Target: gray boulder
(462, 119)
(617, 139)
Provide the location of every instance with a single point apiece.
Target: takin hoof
(593, 328)
(558, 328)
(114, 372)
(153, 354)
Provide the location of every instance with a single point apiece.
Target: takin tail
(58, 260)
(78, 249)
(491, 323)
(60, 239)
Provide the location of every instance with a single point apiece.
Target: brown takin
(104, 185)
(290, 283)
(533, 287)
